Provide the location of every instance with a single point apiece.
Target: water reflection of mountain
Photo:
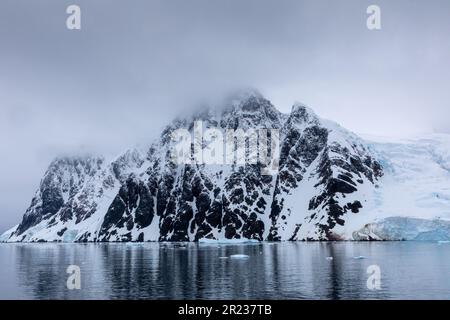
(296, 270)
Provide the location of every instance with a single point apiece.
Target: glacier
(405, 228)
(415, 192)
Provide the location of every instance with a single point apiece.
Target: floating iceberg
(226, 241)
(239, 256)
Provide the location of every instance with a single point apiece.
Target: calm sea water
(409, 270)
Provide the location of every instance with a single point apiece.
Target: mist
(135, 65)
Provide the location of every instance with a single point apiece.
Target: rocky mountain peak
(301, 113)
(135, 197)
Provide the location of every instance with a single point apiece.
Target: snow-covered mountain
(330, 185)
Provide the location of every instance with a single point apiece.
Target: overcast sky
(136, 64)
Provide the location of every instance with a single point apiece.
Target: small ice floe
(359, 257)
(329, 258)
(443, 241)
(223, 258)
(219, 242)
(134, 244)
(239, 256)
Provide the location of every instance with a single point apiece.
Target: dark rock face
(63, 178)
(150, 198)
(132, 207)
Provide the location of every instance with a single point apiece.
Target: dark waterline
(289, 270)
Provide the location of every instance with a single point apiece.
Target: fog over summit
(131, 69)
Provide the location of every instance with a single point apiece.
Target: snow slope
(415, 185)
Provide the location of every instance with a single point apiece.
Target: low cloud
(134, 66)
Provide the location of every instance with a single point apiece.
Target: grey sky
(136, 64)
